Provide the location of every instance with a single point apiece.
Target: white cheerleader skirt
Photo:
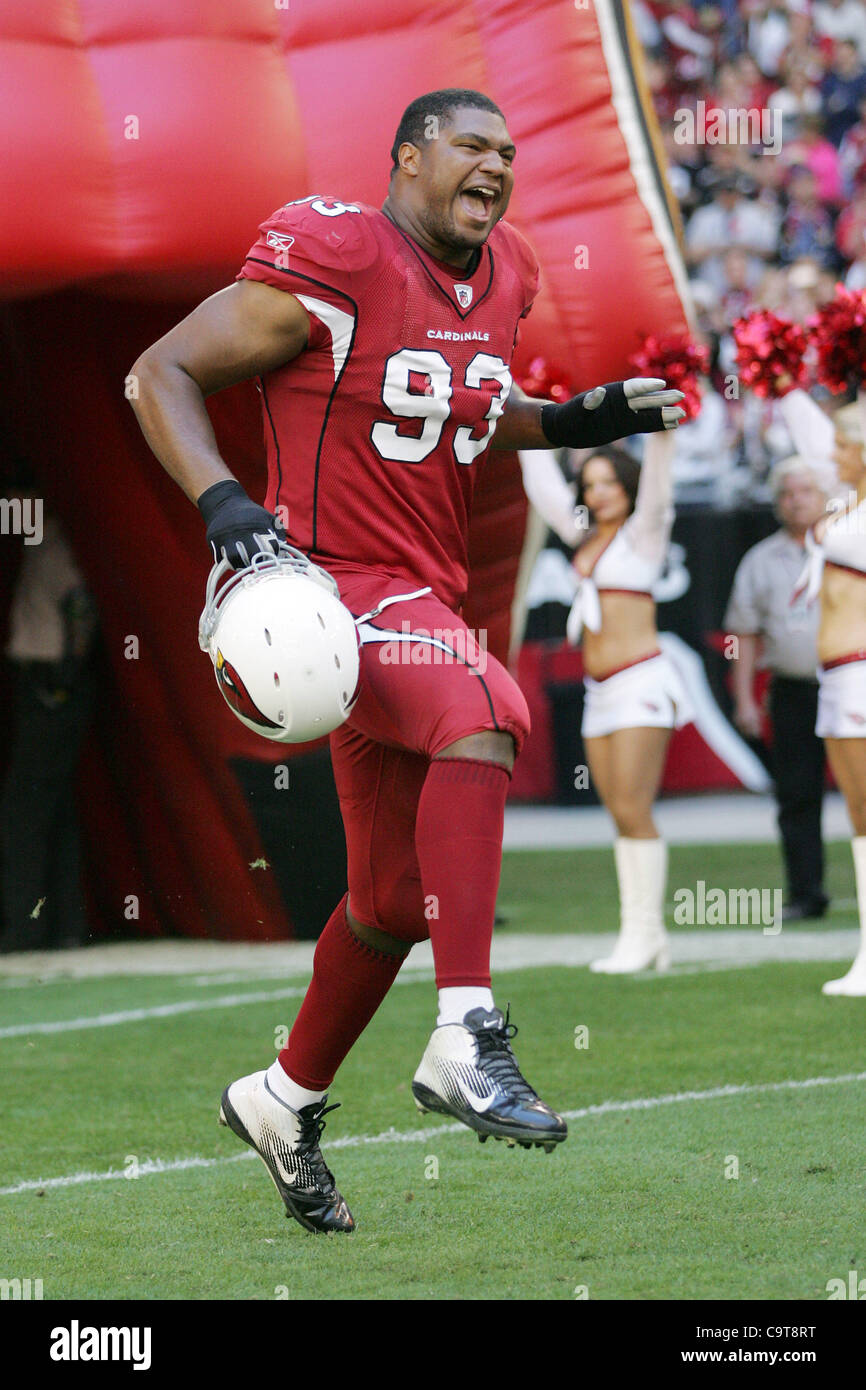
(842, 698)
(648, 693)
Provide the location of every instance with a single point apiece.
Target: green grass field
(757, 1193)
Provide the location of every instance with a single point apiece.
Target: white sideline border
(709, 819)
(155, 1167)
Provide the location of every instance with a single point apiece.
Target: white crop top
(843, 545)
(633, 560)
(844, 538)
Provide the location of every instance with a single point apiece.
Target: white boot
(641, 869)
(855, 981)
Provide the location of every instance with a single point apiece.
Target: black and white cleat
(287, 1142)
(469, 1071)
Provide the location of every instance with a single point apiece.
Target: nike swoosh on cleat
(479, 1104)
(290, 1179)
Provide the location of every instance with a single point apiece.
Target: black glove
(640, 405)
(237, 527)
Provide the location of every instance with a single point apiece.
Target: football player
(381, 339)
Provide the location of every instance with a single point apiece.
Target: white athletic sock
(285, 1089)
(456, 1001)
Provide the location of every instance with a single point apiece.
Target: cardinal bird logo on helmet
(236, 694)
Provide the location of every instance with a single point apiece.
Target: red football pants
(424, 839)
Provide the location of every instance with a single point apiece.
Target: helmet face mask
(284, 648)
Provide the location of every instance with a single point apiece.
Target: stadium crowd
(763, 114)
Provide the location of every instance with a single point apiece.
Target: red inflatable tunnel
(141, 146)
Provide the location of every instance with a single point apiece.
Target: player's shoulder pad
(507, 238)
(326, 231)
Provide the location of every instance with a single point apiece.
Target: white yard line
(711, 948)
(180, 1006)
(156, 1166)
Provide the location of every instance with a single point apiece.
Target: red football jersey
(376, 432)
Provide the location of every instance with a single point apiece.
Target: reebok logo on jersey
(448, 336)
(281, 241)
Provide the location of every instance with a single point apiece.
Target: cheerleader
(836, 569)
(634, 696)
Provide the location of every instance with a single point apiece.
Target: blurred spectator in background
(728, 90)
(718, 20)
(730, 219)
(681, 168)
(798, 98)
(851, 227)
(665, 93)
(852, 153)
(724, 20)
(805, 48)
(807, 227)
(807, 284)
(646, 25)
(704, 463)
(842, 90)
(768, 176)
(768, 35)
(855, 280)
(754, 86)
(691, 51)
(842, 19)
(737, 296)
(811, 150)
(761, 615)
(723, 163)
(53, 625)
(759, 231)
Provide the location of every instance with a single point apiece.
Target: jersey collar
(464, 292)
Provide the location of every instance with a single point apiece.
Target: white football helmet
(284, 648)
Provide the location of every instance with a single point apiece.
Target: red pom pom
(540, 379)
(839, 336)
(770, 353)
(679, 361)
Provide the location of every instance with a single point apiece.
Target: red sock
(350, 980)
(458, 839)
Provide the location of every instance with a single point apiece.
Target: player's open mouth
(477, 201)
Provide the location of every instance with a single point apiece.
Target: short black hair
(441, 104)
(626, 470)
